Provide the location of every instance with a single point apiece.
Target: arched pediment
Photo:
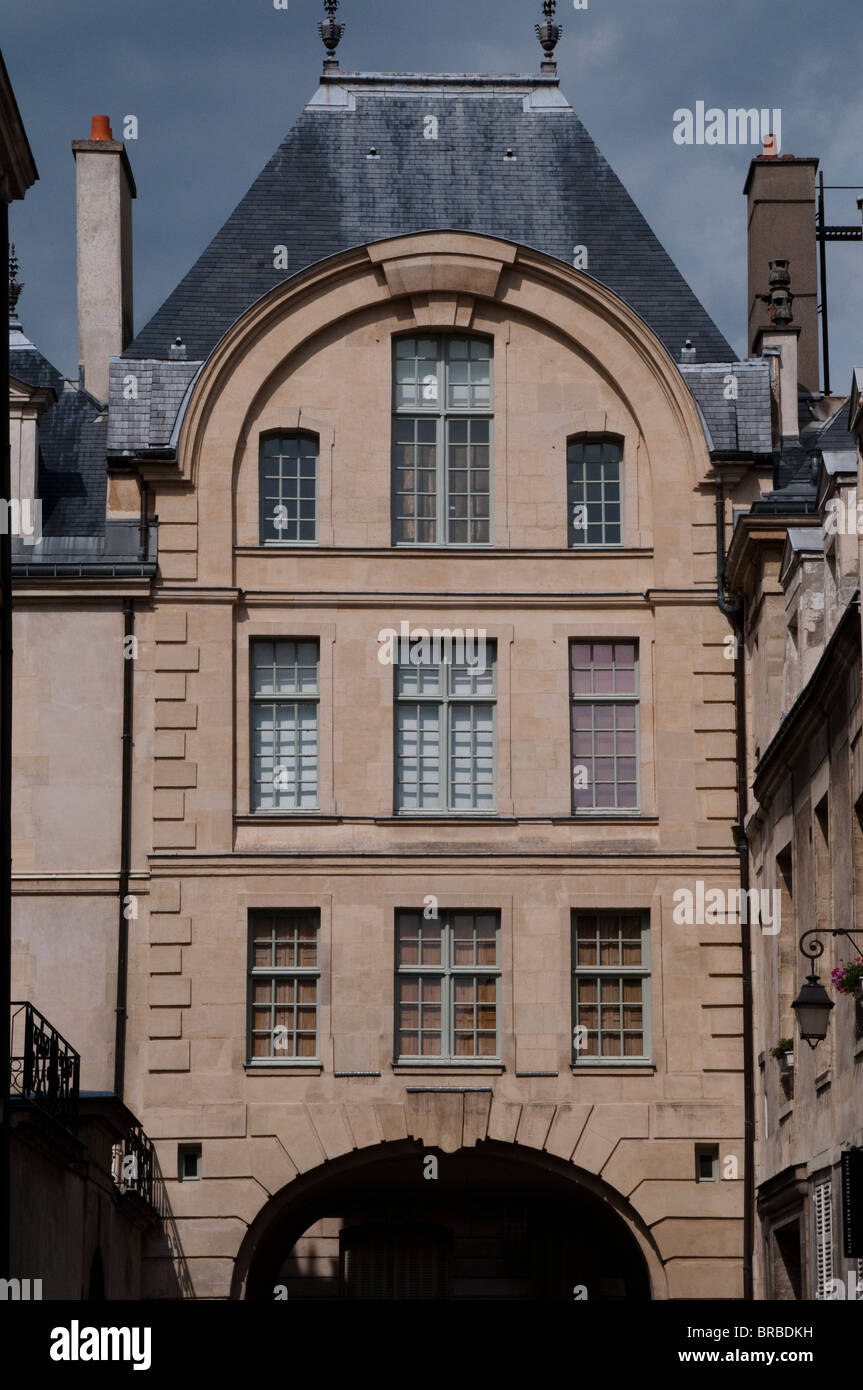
(435, 280)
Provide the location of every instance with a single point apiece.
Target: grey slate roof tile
(320, 195)
(735, 425)
(73, 478)
(28, 365)
(147, 418)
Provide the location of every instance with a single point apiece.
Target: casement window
(285, 693)
(604, 720)
(822, 1202)
(707, 1163)
(442, 440)
(593, 491)
(445, 736)
(447, 986)
(284, 985)
(288, 489)
(610, 987)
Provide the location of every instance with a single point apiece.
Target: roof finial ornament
(331, 33)
(549, 36)
(15, 285)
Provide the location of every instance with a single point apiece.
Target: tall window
(284, 722)
(447, 985)
(593, 482)
(442, 441)
(288, 489)
(610, 986)
(604, 688)
(445, 736)
(284, 983)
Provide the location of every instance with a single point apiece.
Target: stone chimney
(105, 189)
(781, 225)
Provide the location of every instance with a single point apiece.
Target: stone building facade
(793, 564)
(404, 1001)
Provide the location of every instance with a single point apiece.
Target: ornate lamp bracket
(813, 949)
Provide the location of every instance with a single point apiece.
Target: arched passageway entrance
(493, 1222)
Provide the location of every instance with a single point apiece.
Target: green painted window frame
(595, 700)
(274, 973)
(444, 701)
(278, 498)
(448, 972)
(596, 493)
(616, 972)
(278, 702)
(439, 408)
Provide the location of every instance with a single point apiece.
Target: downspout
(5, 763)
(125, 850)
(733, 610)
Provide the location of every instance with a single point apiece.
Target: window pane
(432, 377)
(288, 487)
(452, 1012)
(468, 481)
(604, 761)
(285, 668)
(611, 1006)
(593, 492)
(283, 1006)
(285, 761)
(418, 756)
(415, 484)
(471, 756)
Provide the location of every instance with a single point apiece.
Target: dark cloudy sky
(215, 85)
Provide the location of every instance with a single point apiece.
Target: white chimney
(105, 189)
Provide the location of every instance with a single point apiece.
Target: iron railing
(135, 1168)
(44, 1068)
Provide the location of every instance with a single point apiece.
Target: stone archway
(493, 1221)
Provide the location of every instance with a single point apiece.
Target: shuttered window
(823, 1204)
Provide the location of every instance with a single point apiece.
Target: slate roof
(146, 419)
(322, 193)
(27, 364)
(829, 434)
(735, 426)
(73, 478)
(73, 481)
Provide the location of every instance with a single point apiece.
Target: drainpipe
(125, 852)
(734, 611)
(5, 761)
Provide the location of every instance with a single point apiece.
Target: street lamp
(812, 1005)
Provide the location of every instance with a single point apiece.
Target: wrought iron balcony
(135, 1168)
(44, 1068)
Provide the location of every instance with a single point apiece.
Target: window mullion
(444, 737)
